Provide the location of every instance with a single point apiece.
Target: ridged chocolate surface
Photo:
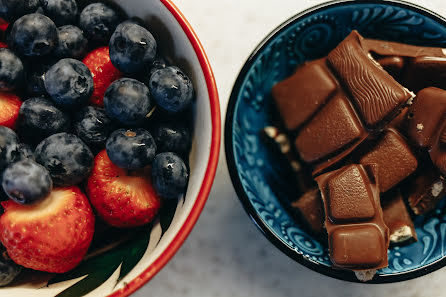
(374, 91)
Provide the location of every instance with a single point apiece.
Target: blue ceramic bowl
(262, 185)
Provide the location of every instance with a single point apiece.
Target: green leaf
(135, 251)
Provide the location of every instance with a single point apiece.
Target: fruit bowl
(263, 186)
(121, 267)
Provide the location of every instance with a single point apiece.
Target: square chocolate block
(349, 196)
(299, 97)
(425, 116)
(334, 128)
(357, 246)
(394, 158)
(376, 94)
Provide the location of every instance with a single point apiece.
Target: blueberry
(92, 125)
(8, 269)
(35, 77)
(33, 35)
(98, 22)
(39, 118)
(11, 70)
(171, 89)
(10, 10)
(26, 182)
(132, 47)
(128, 101)
(169, 175)
(67, 158)
(72, 43)
(69, 83)
(9, 147)
(131, 149)
(62, 12)
(172, 137)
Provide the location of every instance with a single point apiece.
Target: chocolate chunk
(358, 246)
(423, 72)
(352, 203)
(394, 158)
(335, 128)
(309, 209)
(298, 97)
(397, 219)
(425, 115)
(375, 93)
(389, 48)
(359, 241)
(425, 191)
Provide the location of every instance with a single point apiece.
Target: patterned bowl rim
(211, 168)
(230, 159)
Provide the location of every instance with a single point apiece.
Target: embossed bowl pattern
(261, 183)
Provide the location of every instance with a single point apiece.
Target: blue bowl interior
(263, 185)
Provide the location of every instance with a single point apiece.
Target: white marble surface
(226, 255)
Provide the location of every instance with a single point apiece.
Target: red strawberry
(52, 235)
(9, 109)
(120, 198)
(103, 71)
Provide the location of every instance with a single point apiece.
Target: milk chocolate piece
(358, 237)
(425, 191)
(336, 129)
(423, 72)
(394, 158)
(309, 210)
(389, 48)
(425, 116)
(397, 219)
(376, 94)
(298, 97)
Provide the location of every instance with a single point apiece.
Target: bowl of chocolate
(335, 139)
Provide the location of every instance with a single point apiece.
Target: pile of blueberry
(88, 80)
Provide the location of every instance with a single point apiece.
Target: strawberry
(52, 235)
(103, 72)
(120, 197)
(9, 109)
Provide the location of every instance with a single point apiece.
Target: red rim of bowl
(205, 188)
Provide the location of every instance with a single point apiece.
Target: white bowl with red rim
(178, 41)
